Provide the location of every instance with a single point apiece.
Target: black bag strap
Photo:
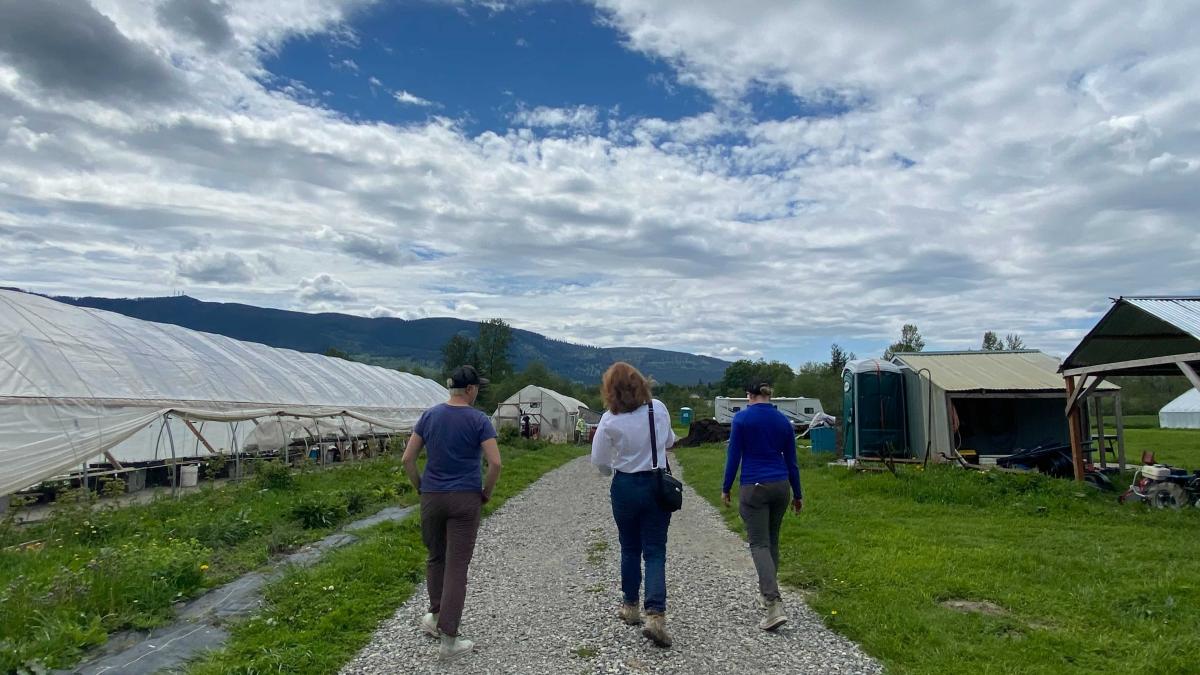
(654, 438)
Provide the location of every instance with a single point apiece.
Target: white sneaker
(429, 625)
(776, 616)
(454, 647)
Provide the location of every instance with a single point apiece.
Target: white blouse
(622, 441)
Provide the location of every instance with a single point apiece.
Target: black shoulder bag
(668, 491)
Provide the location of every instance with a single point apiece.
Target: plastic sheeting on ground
(76, 382)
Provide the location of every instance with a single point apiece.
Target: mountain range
(418, 341)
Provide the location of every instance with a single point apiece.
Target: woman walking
(622, 448)
(763, 444)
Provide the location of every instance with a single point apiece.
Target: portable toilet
(874, 414)
(685, 416)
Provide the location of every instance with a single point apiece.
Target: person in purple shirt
(457, 437)
(763, 443)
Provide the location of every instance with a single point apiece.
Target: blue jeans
(642, 529)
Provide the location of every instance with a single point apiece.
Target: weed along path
(545, 586)
(198, 626)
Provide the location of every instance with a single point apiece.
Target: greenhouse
(80, 385)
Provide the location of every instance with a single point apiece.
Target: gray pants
(763, 506)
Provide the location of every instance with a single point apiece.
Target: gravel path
(545, 586)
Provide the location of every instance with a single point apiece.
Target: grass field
(1080, 584)
(68, 582)
(1137, 422)
(1179, 447)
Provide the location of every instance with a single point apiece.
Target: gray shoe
(775, 618)
(454, 647)
(429, 625)
(656, 629)
(630, 614)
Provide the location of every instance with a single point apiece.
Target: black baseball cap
(755, 385)
(464, 376)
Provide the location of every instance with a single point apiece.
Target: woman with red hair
(621, 447)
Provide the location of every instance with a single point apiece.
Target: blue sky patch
(419, 60)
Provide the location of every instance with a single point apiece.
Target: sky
(751, 179)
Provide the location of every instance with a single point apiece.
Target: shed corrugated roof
(1183, 313)
(1141, 328)
(1016, 371)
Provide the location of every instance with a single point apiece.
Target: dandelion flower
(834, 612)
(204, 568)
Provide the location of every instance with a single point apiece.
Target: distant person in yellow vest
(580, 429)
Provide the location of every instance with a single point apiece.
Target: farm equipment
(1163, 486)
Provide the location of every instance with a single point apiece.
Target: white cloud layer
(995, 165)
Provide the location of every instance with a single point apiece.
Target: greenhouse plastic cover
(77, 382)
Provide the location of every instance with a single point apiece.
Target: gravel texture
(544, 591)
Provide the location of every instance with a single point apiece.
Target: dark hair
(759, 388)
(623, 388)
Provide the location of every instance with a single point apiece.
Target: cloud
(368, 248)
(324, 288)
(578, 117)
(405, 98)
(68, 47)
(719, 232)
(213, 268)
(205, 20)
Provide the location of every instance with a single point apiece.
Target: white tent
(76, 383)
(553, 413)
(1182, 413)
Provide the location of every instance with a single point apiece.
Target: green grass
(94, 572)
(1086, 585)
(1179, 447)
(316, 619)
(1136, 422)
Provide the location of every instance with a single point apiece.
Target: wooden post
(1120, 431)
(192, 428)
(1073, 424)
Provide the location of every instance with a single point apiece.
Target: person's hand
(797, 505)
(485, 496)
(725, 499)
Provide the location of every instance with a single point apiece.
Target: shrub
(508, 435)
(274, 475)
(319, 511)
(283, 538)
(356, 500)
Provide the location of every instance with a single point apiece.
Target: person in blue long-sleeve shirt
(763, 444)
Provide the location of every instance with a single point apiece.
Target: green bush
(508, 435)
(357, 500)
(274, 475)
(319, 510)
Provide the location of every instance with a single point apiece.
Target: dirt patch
(975, 606)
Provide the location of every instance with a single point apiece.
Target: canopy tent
(554, 414)
(991, 402)
(76, 383)
(1137, 336)
(1182, 413)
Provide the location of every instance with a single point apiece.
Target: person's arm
(793, 469)
(411, 452)
(733, 459)
(602, 448)
(491, 452)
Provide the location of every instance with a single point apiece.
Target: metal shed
(992, 403)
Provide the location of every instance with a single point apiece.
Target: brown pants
(449, 524)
